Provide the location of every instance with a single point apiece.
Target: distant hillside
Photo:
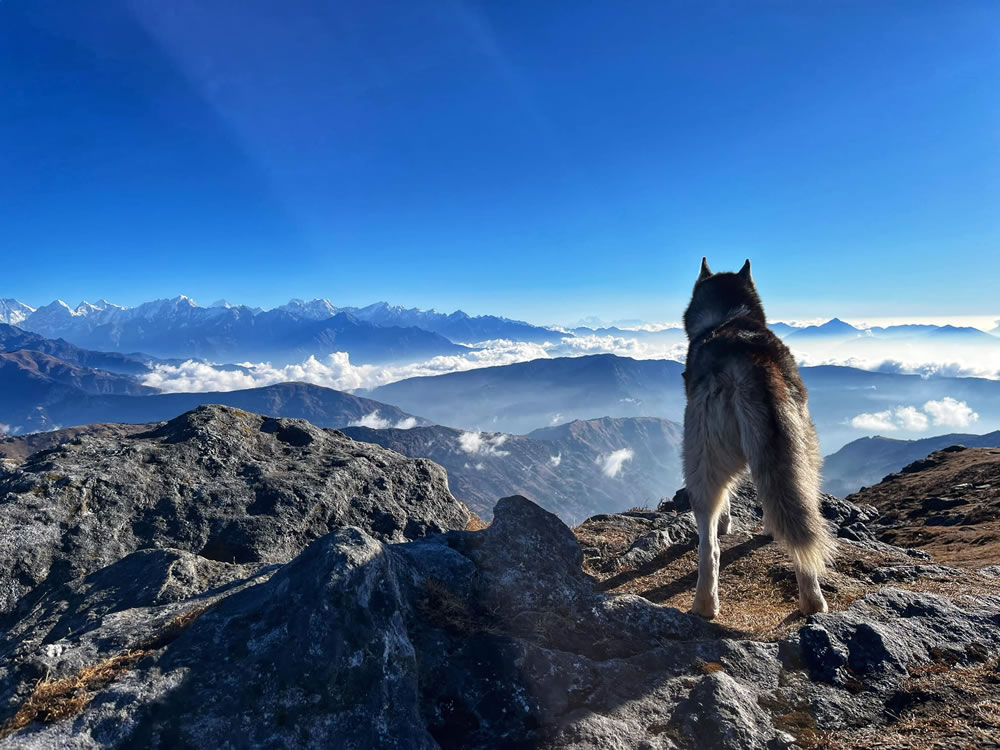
(323, 407)
(33, 386)
(574, 470)
(13, 339)
(521, 397)
(868, 460)
(20, 447)
(945, 503)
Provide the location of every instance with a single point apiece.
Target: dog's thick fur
(746, 405)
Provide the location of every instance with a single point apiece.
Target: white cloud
(880, 421)
(556, 459)
(375, 422)
(336, 370)
(611, 463)
(481, 444)
(4, 429)
(947, 412)
(556, 418)
(951, 413)
(910, 418)
(372, 420)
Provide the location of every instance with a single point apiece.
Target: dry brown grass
(962, 711)
(53, 700)
(475, 523)
(757, 587)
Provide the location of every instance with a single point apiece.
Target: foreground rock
(220, 482)
(513, 636)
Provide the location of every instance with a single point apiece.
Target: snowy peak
(13, 311)
(317, 309)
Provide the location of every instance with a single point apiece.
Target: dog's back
(746, 404)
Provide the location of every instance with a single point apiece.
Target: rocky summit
(230, 580)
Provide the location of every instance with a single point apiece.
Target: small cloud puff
(481, 444)
(611, 463)
(556, 459)
(948, 412)
(375, 422)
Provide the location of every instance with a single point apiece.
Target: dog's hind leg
(711, 459)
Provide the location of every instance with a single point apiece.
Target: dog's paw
(809, 605)
(705, 609)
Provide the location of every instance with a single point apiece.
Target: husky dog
(746, 405)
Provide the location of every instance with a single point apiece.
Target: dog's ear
(745, 272)
(705, 270)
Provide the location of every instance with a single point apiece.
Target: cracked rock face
(225, 484)
(460, 639)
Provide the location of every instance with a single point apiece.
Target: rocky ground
(153, 599)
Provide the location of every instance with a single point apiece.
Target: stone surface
(356, 636)
(220, 482)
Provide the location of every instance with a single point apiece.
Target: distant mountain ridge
(61, 405)
(13, 338)
(525, 396)
(216, 330)
(574, 470)
(179, 328)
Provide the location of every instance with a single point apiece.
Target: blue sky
(545, 161)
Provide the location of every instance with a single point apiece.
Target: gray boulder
(226, 484)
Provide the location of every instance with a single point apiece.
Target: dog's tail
(784, 460)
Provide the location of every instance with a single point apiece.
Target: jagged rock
(879, 636)
(456, 639)
(217, 481)
(720, 713)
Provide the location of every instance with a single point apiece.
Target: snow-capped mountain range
(380, 333)
(180, 328)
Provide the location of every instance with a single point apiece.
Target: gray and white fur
(747, 406)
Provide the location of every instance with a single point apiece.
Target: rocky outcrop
(513, 636)
(225, 484)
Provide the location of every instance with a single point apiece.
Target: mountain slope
(521, 397)
(574, 470)
(324, 407)
(866, 461)
(34, 387)
(13, 338)
(947, 504)
(525, 396)
(13, 312)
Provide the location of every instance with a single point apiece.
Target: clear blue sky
(542, 160)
